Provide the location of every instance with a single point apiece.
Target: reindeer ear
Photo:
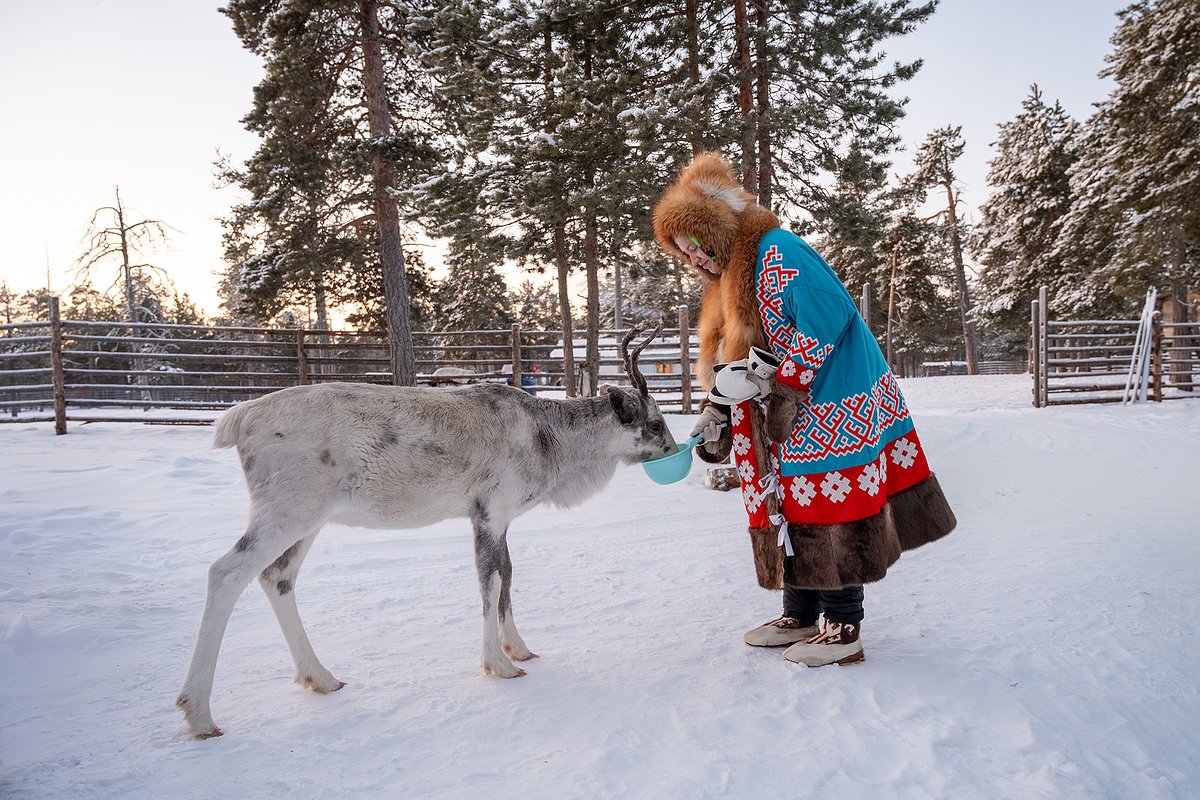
(625, 404)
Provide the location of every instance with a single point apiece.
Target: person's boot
(780, 632)
(838, 643)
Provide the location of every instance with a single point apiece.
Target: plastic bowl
(675, 467)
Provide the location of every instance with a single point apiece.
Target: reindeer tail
(229, 427)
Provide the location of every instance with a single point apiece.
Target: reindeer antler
(631, 367)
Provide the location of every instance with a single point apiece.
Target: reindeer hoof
(519, 654)
(320, 685)
(214, 733)
(510, 672)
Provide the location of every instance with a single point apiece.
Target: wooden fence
(1089, 361)
(67, 370)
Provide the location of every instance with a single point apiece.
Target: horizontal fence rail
(87, 371)
(1089, 361)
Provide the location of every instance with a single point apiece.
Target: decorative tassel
(785, 541)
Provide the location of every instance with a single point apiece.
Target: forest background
(536, 136)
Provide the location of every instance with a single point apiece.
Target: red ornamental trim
(853, 493)
(847, 426)
(785, 338)
(841, 495)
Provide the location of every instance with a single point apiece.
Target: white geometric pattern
(746, 470)
(883, 467)
(803, 491)
(835, 486)
(868, 480)
(741, 444)
(806, 377)
(904, 453)
(752, 498)
(788, 368)
(736, 414)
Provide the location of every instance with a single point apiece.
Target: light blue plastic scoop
(675, 467)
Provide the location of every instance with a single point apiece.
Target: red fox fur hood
(708, 202)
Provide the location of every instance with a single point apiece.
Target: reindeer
(403, 457)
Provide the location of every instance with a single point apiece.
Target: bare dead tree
(122, 241)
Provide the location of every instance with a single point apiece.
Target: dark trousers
(839, 605)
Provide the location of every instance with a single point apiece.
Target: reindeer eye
(656, 428)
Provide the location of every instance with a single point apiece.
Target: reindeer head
(639, 415)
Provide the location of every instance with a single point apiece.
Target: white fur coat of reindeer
(400, 457)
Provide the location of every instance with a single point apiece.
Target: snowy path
(1048, 648)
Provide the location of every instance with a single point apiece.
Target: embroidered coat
(834, 478)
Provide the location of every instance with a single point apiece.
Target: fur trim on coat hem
(768, 558)
(858, 552)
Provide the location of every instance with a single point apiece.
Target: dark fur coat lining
(853, 553)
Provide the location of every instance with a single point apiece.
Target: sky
(145, 94)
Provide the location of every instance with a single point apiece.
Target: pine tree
(472, 297)
(368, 306)
(10, 305)
(570, 117)
(935, 170)
(1136, 218)
(535, 306)
(338, 110)
(918, 316)
(855, 217)
(816, 81)
(555, 145)
(1021, 221)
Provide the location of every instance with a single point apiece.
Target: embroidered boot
(780, 632)
(837, 644)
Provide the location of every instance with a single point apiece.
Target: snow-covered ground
(1046, 649)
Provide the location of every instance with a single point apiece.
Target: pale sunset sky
(144, 93)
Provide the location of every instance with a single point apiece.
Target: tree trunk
(745, 73)
(691, 11)
(321, 304)
(562, 262)
(618, 300)
(391, 252)
(591, 255)
(960, 278)
(891, 313)
(126, 269)
(591, 264)
(762, 81)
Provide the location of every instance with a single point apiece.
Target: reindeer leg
(489, 547)
(511, 641)
(279, 583)
(265, 538)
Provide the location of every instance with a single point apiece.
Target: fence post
(685, 360)
(1044, 345)
(516, 355)
(301, 358)
(1035, 365)
(57, 376)
(864, 304)
(1156, 359)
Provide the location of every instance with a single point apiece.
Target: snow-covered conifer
(1016, 237)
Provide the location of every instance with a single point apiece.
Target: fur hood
(707, 201)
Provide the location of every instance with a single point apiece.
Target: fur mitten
(783, 405)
